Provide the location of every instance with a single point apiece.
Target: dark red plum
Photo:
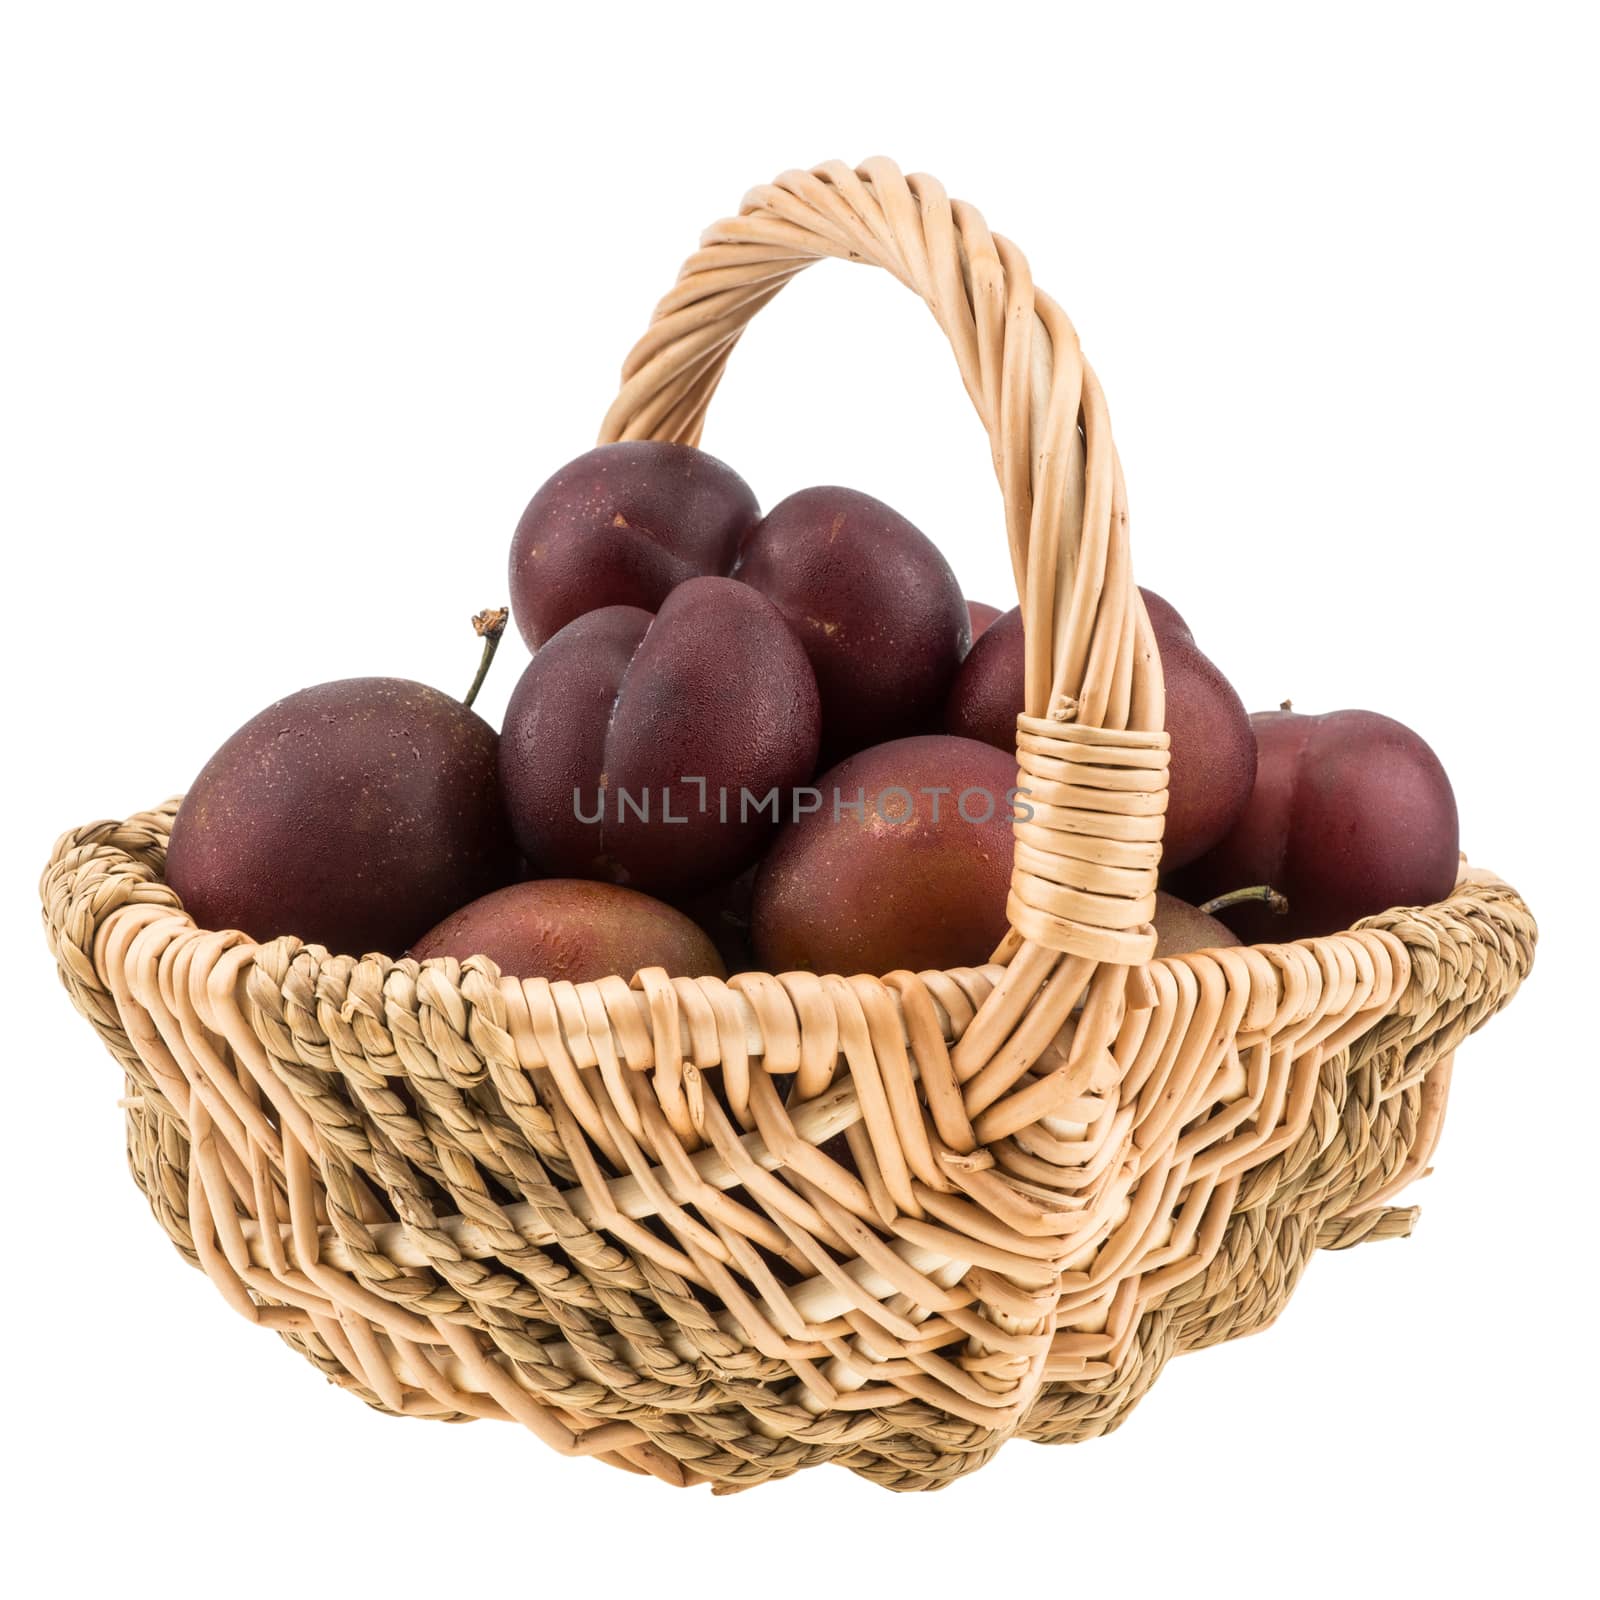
(1182, 928)
(1350, 814)
(353, 815)
(876, 606)
(914, 879)
(986, 697)
(553, 750)
(624, 525)
(1213, 750)
(658, 751)
(565, 928)
(982, 616)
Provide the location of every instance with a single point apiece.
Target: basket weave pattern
(601, 1210)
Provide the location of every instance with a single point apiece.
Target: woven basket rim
(1467, 874)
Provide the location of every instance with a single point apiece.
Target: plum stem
(1286, 705)
(1278, 904)
(489, 626)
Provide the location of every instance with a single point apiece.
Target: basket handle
(1089, 743)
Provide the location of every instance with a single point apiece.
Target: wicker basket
(602, 1211)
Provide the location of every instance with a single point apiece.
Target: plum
(352, 815)
(1351, 814)
(659, 751)
(553, 747)
(1213, 750)
(624, 525)
(986, 697)
(573, 929)
(876, 606)
(1181, 928)
(981, 616)
(906, 862)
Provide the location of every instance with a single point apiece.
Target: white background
(302, 303)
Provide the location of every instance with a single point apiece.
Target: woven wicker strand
(603, 1211)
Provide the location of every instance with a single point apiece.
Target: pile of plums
(781, 742)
